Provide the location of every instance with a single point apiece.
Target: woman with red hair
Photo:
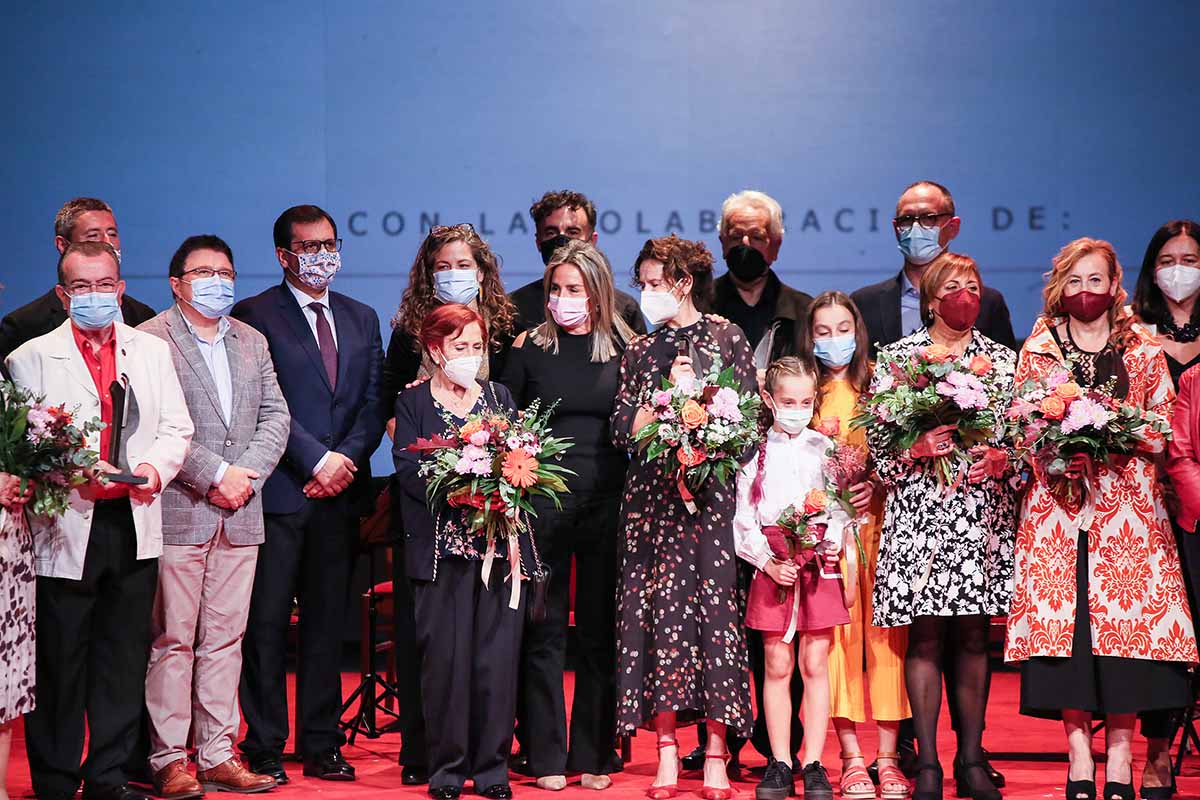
(467, 636)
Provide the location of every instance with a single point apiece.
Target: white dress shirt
(794, 466)
(216, 358)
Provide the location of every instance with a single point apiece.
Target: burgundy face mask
(959, 309)
(1087, 306)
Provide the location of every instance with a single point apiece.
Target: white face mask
(1178, 282)
(659, 306)
(792, 420)
(462, 371)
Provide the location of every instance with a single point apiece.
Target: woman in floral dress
(681, 652)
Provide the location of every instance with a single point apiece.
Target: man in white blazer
(97, 564)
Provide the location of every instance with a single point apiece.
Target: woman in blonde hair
(573, 359)
(1117, 639)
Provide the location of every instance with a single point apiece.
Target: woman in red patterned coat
(1126, 645)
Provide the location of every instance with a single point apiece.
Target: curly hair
(681, 258)
(565, 198)
(419, 298)
(1120, 320)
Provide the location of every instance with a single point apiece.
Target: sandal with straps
(712, 792)
(855, 776)
(667, 791)
(890, 775)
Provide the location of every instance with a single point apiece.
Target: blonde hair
(788, 366)
(940, 270)
(753, 199)
(1121, 333)
(608, 327)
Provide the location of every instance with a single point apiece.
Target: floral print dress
(680, 640)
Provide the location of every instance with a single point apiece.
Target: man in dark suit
(558, 218)
(84, 219)
(925, 224)
(327, 354)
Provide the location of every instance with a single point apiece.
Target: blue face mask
(836, 351)
(212, 297)
(456, 285)
(94, 311)
(920, 244)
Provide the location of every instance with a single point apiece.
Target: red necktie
(325, 342)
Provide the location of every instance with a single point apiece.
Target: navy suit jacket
(348, 420)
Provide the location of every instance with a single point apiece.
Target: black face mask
(548, 247)
(746, 263)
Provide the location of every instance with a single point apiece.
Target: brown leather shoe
(173, 782)
(233, 777)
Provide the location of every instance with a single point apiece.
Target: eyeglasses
(462, 227)
(208, 272)
(758, 236)
(925, 220)
(313, 246)
(84, 287)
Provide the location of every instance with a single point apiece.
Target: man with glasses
(212, 526)
(328, 354)
(925, 224)
(97, 563)
(84, 219)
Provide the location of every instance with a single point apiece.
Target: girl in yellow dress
(835, 337)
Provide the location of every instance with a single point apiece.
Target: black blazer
(879, 304)
(46, 313)
(347, 420)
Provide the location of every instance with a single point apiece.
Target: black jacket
(879, 304)
(791, 307)
(46, 313)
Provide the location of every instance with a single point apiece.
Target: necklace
(1181, 333)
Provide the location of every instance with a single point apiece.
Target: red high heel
(713, 793)
(670, 790)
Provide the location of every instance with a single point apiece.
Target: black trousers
(307, 555)
(470, 644)
(586, 531)
(414, 750)
(93, 643)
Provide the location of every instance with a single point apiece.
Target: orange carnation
(692, 415)
(696, 456)
(518, 468)
(474, 426)
(498, 423)
(980, 365)
(937, 352)
(815, 501)
(1053, 407)
(1068, 391)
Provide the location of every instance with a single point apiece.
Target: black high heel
(1085, 788)
(1118, 791)
(926, 794)
(963, 787)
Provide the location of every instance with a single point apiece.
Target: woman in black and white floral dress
(946, 556)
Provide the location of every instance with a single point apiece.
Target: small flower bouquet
(1052, 420)
(927, 389)
(700, 430)
(847, 465)
(492, 465)
(45, 447)
(803, 529)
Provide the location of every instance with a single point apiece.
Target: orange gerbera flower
(519, 468)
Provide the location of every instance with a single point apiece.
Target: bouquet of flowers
(846, 465)
(44, 446)
(492, 465)
(803, 528)
(1054, 419)
(927, 389)
(700, 429)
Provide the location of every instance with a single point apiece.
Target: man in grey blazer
(212, 525)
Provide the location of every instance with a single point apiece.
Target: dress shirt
(216, 358)
(310, 316)
(910, 306)
(101, 364)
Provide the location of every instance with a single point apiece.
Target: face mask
(836, 351)
(568, 312)
(1087, 306)
(745, 263)
(1178, 282)
(920, 244)
(463, 370)
(456, 285)
(95, 311)
(792, 420)
(959, 309)
(548, 247)
(316, 270)
(658, 307)
(212, 297)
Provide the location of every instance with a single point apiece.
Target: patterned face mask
(316, 270)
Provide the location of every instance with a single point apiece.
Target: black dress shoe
(328, 765)
(118, 791)
(414, 776)
(445, 792)
(498, 791)
(268, 764)
(694, 760)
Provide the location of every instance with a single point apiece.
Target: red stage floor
(1026, 750)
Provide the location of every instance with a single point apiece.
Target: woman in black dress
(573, 359)
(468, 637)
(681, 653)
(1167, 290)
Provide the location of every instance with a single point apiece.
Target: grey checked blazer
(255, 437)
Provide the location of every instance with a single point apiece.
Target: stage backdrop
(1047, 121)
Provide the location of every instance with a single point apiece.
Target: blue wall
(1077, 118)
